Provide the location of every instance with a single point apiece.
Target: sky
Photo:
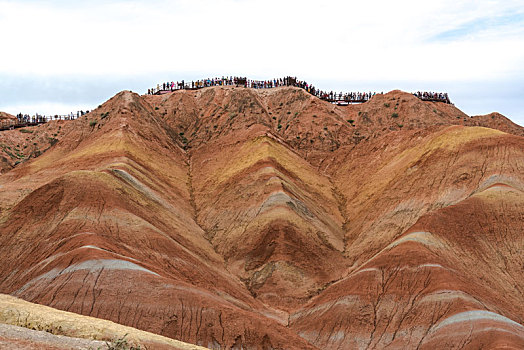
(61, 56)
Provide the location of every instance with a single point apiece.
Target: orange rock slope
(6, 116)
(239, 218)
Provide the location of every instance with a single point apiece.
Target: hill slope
(6, 116)
(248, 218)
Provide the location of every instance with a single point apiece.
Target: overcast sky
(62, 56)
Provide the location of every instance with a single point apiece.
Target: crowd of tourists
(261, 84)
(330, 96)
(224, 81)
(23, 120)
(433, 96)
(349, 97)
(26, 118)
(39, 118)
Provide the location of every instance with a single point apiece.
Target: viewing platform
(11, 124)
(338, 98)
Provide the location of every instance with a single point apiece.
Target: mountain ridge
(233, 217)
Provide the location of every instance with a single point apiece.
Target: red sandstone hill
(240, 218)
(20, 145)
(6, 116)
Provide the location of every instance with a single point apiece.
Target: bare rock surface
(6, 116)
(14, 337)
(24, 324)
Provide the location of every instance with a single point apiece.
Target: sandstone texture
(6, 116)
(33, 326)
(235, 218)
(20, 145)
(21, 338)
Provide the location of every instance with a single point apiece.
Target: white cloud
(363, 38)
(405, 40)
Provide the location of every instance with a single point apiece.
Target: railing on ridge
(331, 96)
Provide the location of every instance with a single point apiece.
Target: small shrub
(25, 131)
(288, 112)
(400, 125)
(9, 153)
(351, 121)
(325, 128)
(394, 115)
(298, 137)
(52, 141)
(181, 133)
(279, 126)
(314, 115)
(296, 114)
(434, 110)
(156, 108)
(92, 123)
(274, 118)
(386, 105)
(121, 344)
